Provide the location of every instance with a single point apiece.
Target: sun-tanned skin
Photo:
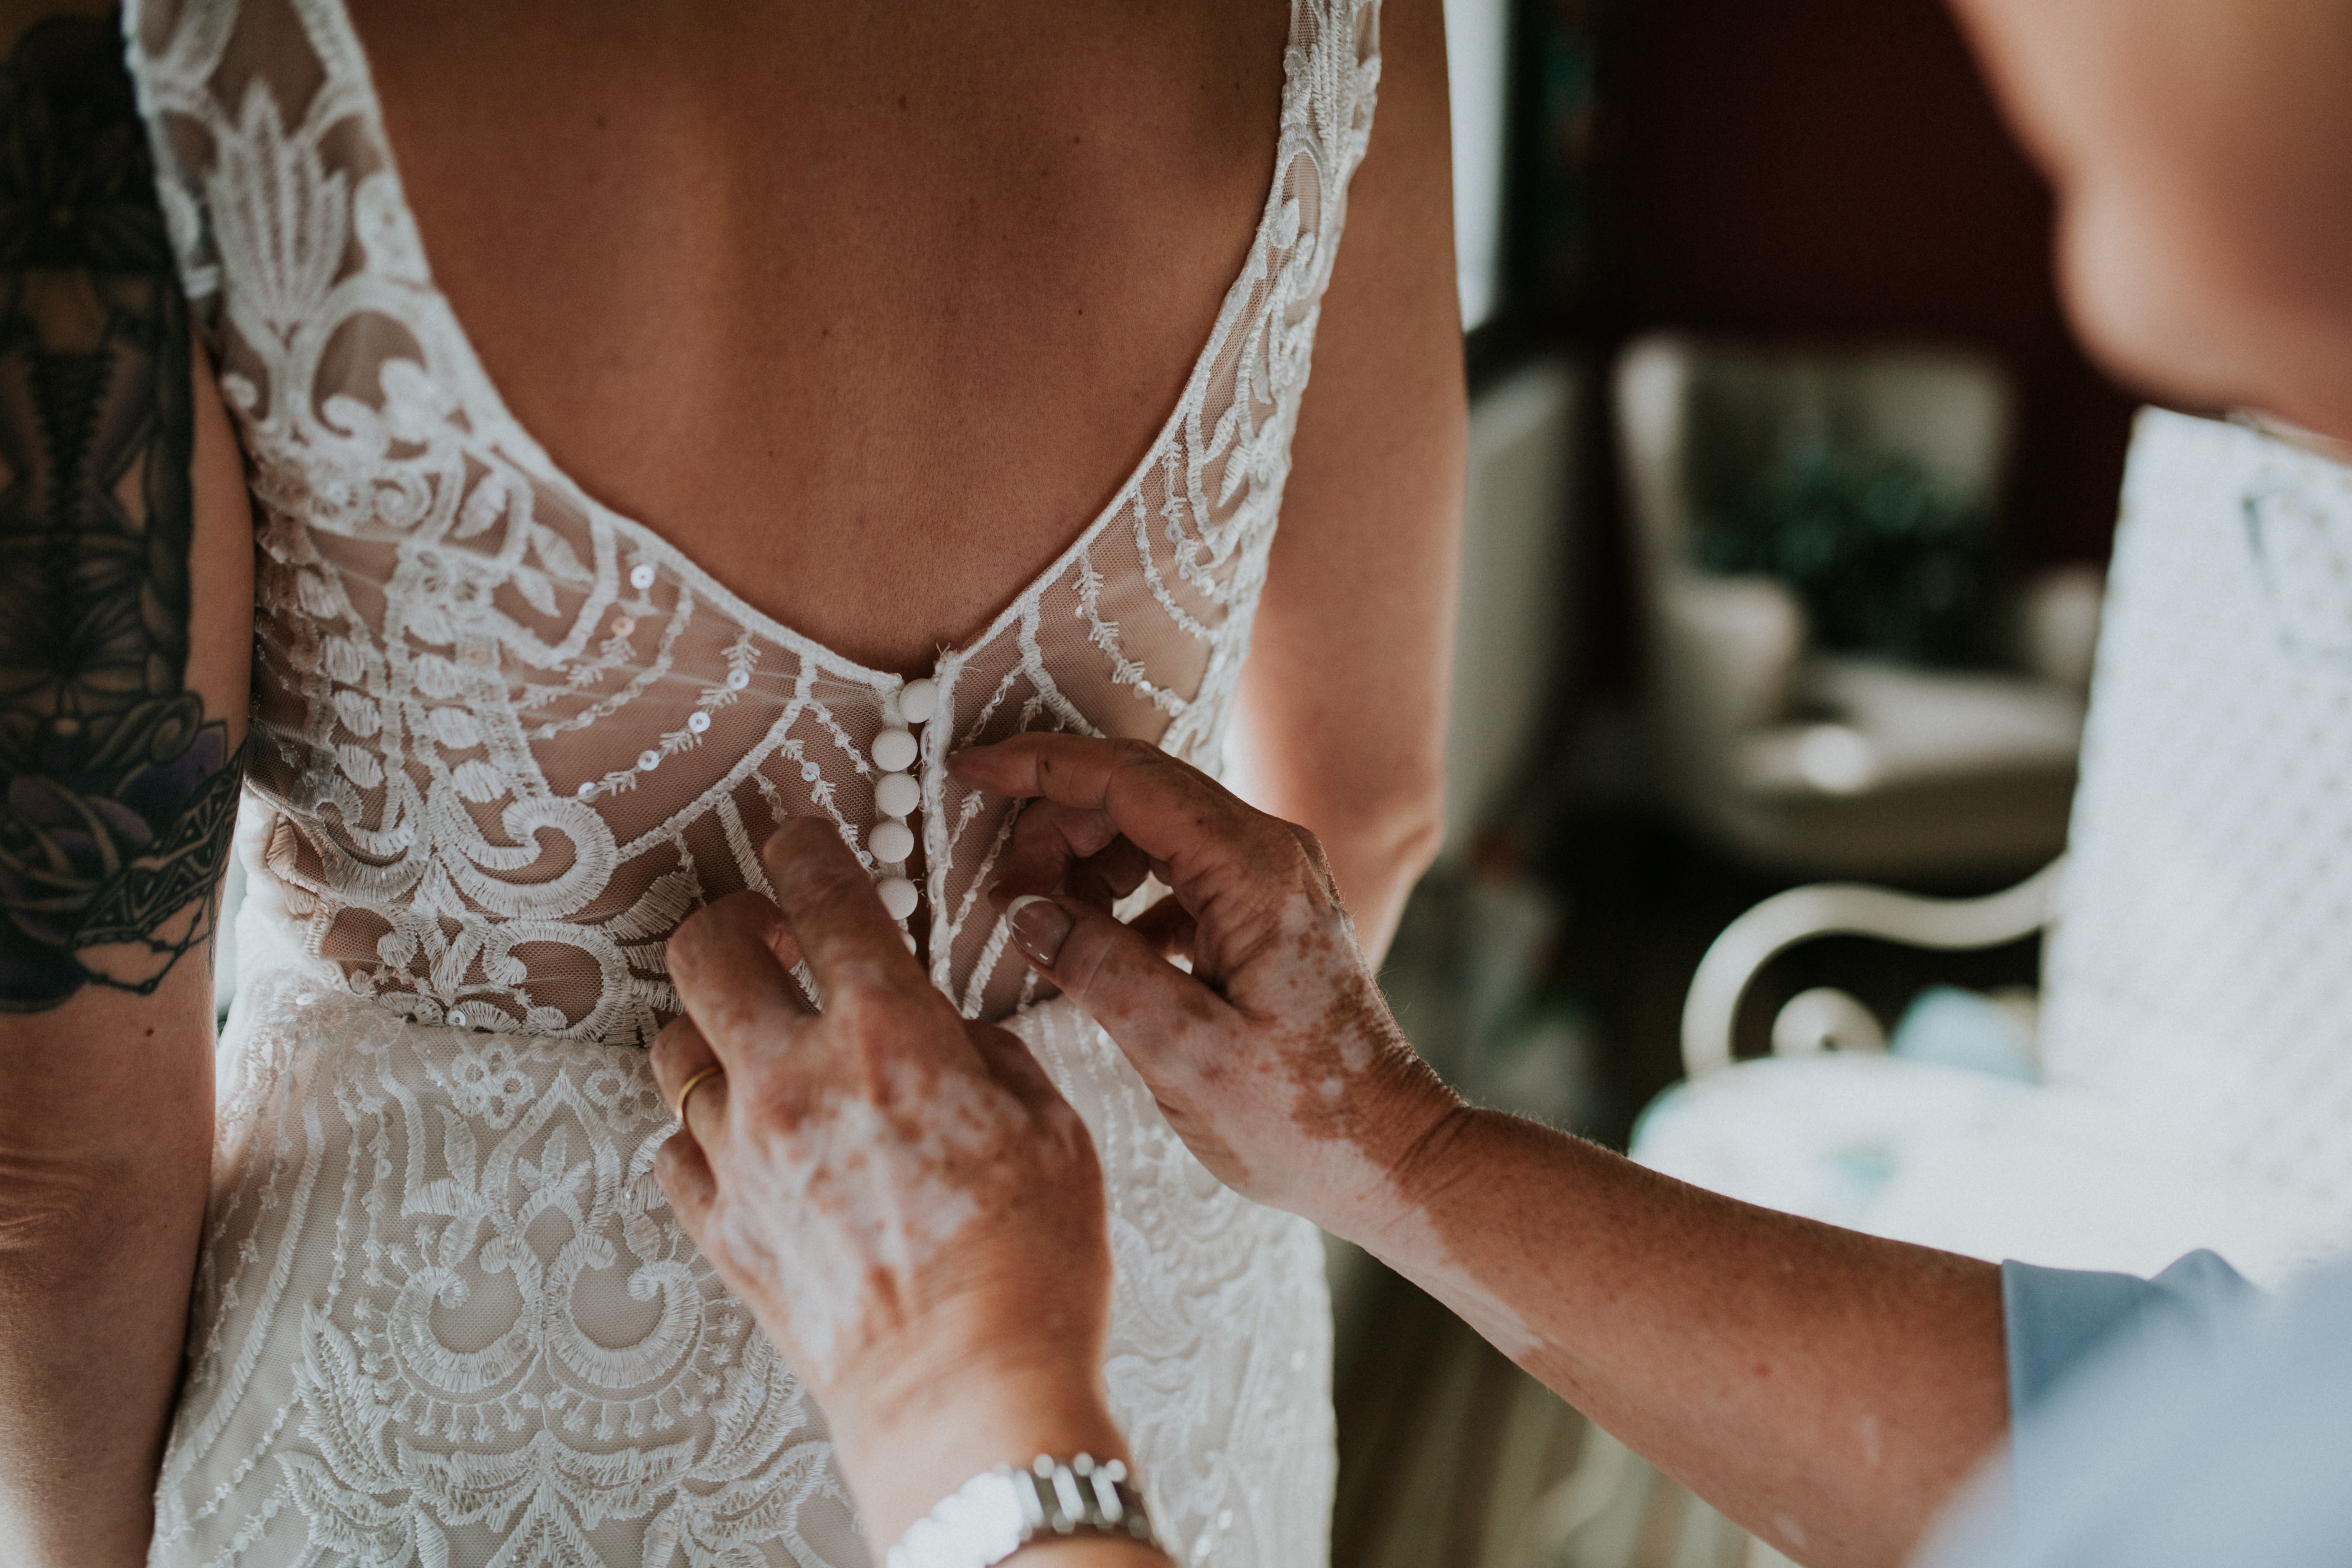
(125, 620)
(916, 1217)
(1822, 1386)
(869, 308)
(897, 296)
(1827, 1389)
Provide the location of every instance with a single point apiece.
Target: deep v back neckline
(491, 404)
(508, 738)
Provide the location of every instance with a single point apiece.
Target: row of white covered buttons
(896, 794)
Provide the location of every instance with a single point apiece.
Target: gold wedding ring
(690, 1084)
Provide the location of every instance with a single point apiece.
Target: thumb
(1112, 971)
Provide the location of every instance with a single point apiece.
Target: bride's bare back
(869, 315)
(888, 296)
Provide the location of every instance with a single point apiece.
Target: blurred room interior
(1790, 504)
(1894, 772)
(1763, 339)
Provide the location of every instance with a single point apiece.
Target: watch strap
(1000, 1511)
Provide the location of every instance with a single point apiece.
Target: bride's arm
(125, 626)
(1343, 702)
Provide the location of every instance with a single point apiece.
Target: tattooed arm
(125, 630)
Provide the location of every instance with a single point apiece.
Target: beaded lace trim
(510, 737)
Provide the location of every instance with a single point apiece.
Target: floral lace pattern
(444, 1317)
(511, 737)
(504, 740)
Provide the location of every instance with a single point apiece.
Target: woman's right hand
(1276, 1058)
(1826, 1389)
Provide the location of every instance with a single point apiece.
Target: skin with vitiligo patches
(1825, 1388)
(1345, 1100)
(1277, 1060)
(852, 1166)
(884, 1180)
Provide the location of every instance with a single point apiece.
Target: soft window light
(1477, 56)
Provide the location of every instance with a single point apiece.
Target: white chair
(2195, 1034)
(1821, 764)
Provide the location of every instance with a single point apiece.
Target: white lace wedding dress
(504, 741)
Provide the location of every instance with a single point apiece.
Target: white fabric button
(586, 789)
(738, 679)
(918, 699)
(899, 896)
(895, 750)
(641, 575)
(897, 794)
(698, 721)
(457, 1018)
(648, 760)
(891, 841)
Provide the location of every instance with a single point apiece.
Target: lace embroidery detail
(444, 1317)
(504, 741)
(475, 683)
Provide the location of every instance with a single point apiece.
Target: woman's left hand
(912, 1212)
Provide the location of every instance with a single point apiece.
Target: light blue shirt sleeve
(2187, 1419)
(2059, 1320)
(2054, 1318)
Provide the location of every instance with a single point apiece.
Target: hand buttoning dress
(504, 741)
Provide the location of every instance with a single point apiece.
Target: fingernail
(1040, 926)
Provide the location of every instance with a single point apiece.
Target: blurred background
(1790, 502)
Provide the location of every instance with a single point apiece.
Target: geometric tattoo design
(120, 795)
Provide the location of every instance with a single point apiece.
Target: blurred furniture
(1817, 762)
(2195, 1040)
(1509, 650)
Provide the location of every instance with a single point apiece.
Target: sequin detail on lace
(504, 741)
(514, 738)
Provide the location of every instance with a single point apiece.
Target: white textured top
(2200, 972)
(511, 738)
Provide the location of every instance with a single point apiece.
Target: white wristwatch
(999, 1511)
